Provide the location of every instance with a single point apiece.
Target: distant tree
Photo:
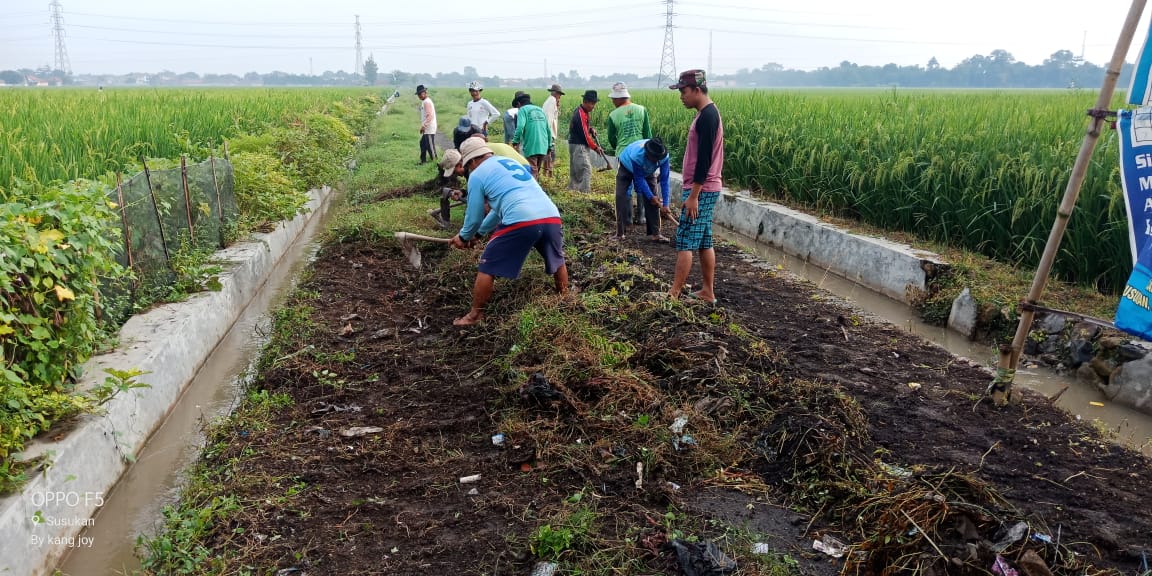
(11, 77)
(370, 70)
(933, 64)
(470, 73)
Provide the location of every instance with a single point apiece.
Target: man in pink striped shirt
(703, 165)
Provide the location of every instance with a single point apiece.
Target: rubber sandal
(693, 296)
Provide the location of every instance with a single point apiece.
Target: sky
(514, 38)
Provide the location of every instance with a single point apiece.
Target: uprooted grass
(624, 363)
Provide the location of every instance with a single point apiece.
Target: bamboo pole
(219, 202)
(187, 198)
(156, 210)
(1001, 389)
(124, 221)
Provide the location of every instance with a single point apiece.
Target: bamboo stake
(156, 210)
(187, 198)
(124, 221)
(1001, 389)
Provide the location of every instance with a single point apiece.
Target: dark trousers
(427, 147)
(624, 204)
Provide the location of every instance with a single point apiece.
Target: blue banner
(1140, 91)
(1134, 315)
(1135, 128)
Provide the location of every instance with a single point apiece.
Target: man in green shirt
(533, 134)
(628, 123)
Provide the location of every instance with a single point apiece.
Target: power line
(471, 32)
(836, 38)
(696, 17)
(382, 47)
(536, 17)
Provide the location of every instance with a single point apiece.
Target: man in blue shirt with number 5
(522, 218)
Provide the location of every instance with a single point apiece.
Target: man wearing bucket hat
(703, 167)
(427, 125)
(450, 190)
(582, 144)
(551, 109)
(639, 162)
(463, 131)
(480, 111)
(522, 219)
(627, 123)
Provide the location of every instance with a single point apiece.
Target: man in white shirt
(427, 125)
(552, 111)
(480, 111)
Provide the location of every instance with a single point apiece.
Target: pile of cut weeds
(596, 422)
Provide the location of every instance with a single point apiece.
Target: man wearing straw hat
(522, 219)
(551, 109)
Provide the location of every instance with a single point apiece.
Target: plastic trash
(678, 424)
(1001, 568)
(1014, 535)
(539, 389)
(474, 492)
(355, 431)
(684, 440)
(544, 569)
(702, 558)
(761, 548)
(470, 479)
(829, 545)
(498, 440)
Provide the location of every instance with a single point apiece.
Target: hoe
(408, 245)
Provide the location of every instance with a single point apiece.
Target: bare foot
(469, 319)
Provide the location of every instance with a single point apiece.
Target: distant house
(37, 81)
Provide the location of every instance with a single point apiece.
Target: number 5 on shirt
(517, 170)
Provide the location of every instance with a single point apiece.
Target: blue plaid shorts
(693, 235)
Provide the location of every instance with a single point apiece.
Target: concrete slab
(171, 342)
(895, 270)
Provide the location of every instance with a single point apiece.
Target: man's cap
(465, 124)
(557, 89)
(691, 79)
(449, 161)
(472, 149)
(591, 96)
(420, 89)
(654, 148)
(475, 85)
(619, 90)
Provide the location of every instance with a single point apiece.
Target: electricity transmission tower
(668, 58)
(62, 62)
(359, 50)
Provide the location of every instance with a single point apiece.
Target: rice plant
(61, 135)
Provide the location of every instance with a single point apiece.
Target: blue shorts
(693, 235)
(505, 254)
